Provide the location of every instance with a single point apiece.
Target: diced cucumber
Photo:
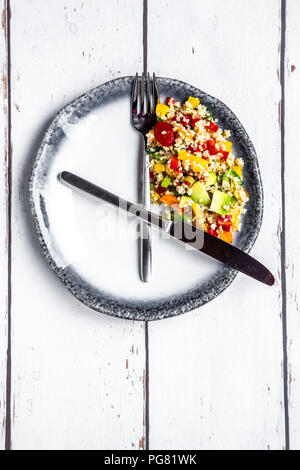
(231, 176)
(200, 195)
(166, 182)
(220, 202)
(212, 179)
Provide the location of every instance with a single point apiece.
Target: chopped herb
(208, 115)
(160, 157)
(175, 192)
(153, 150)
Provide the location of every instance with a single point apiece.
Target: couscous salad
(193, 172)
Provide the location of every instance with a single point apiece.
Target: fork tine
(155, 92)
(142, 93)
(150, 109)
(134, 95)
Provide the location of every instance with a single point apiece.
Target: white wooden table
(226, 376)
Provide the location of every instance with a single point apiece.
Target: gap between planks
(6, 14)
(283, 228)
(146, 404)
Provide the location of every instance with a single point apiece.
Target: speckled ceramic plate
(93, 250)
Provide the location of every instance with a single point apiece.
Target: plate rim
(134, 313)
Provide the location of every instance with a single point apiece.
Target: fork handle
(145, 252)
(145, 229)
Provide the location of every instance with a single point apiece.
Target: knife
(185, 232)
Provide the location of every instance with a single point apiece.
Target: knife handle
(210, 245)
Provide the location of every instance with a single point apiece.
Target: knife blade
(185, 232)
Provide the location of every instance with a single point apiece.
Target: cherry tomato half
(164, 133)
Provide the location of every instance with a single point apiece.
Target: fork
(143, 120)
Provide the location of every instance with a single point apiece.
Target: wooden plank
(78, 377)
(220, 367)
(3, 218)
(292, 194)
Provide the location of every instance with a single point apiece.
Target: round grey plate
(92, 249)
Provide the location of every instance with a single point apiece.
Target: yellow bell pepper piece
(235, 213)
(238, 170)
(236, 223)
(183, 155)
(185, 201)
(162, 109)
(159, 167)
(194, 101)
(199, 163)
(197, 210)
(228, 146)
(154, 196)
(169, 171)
